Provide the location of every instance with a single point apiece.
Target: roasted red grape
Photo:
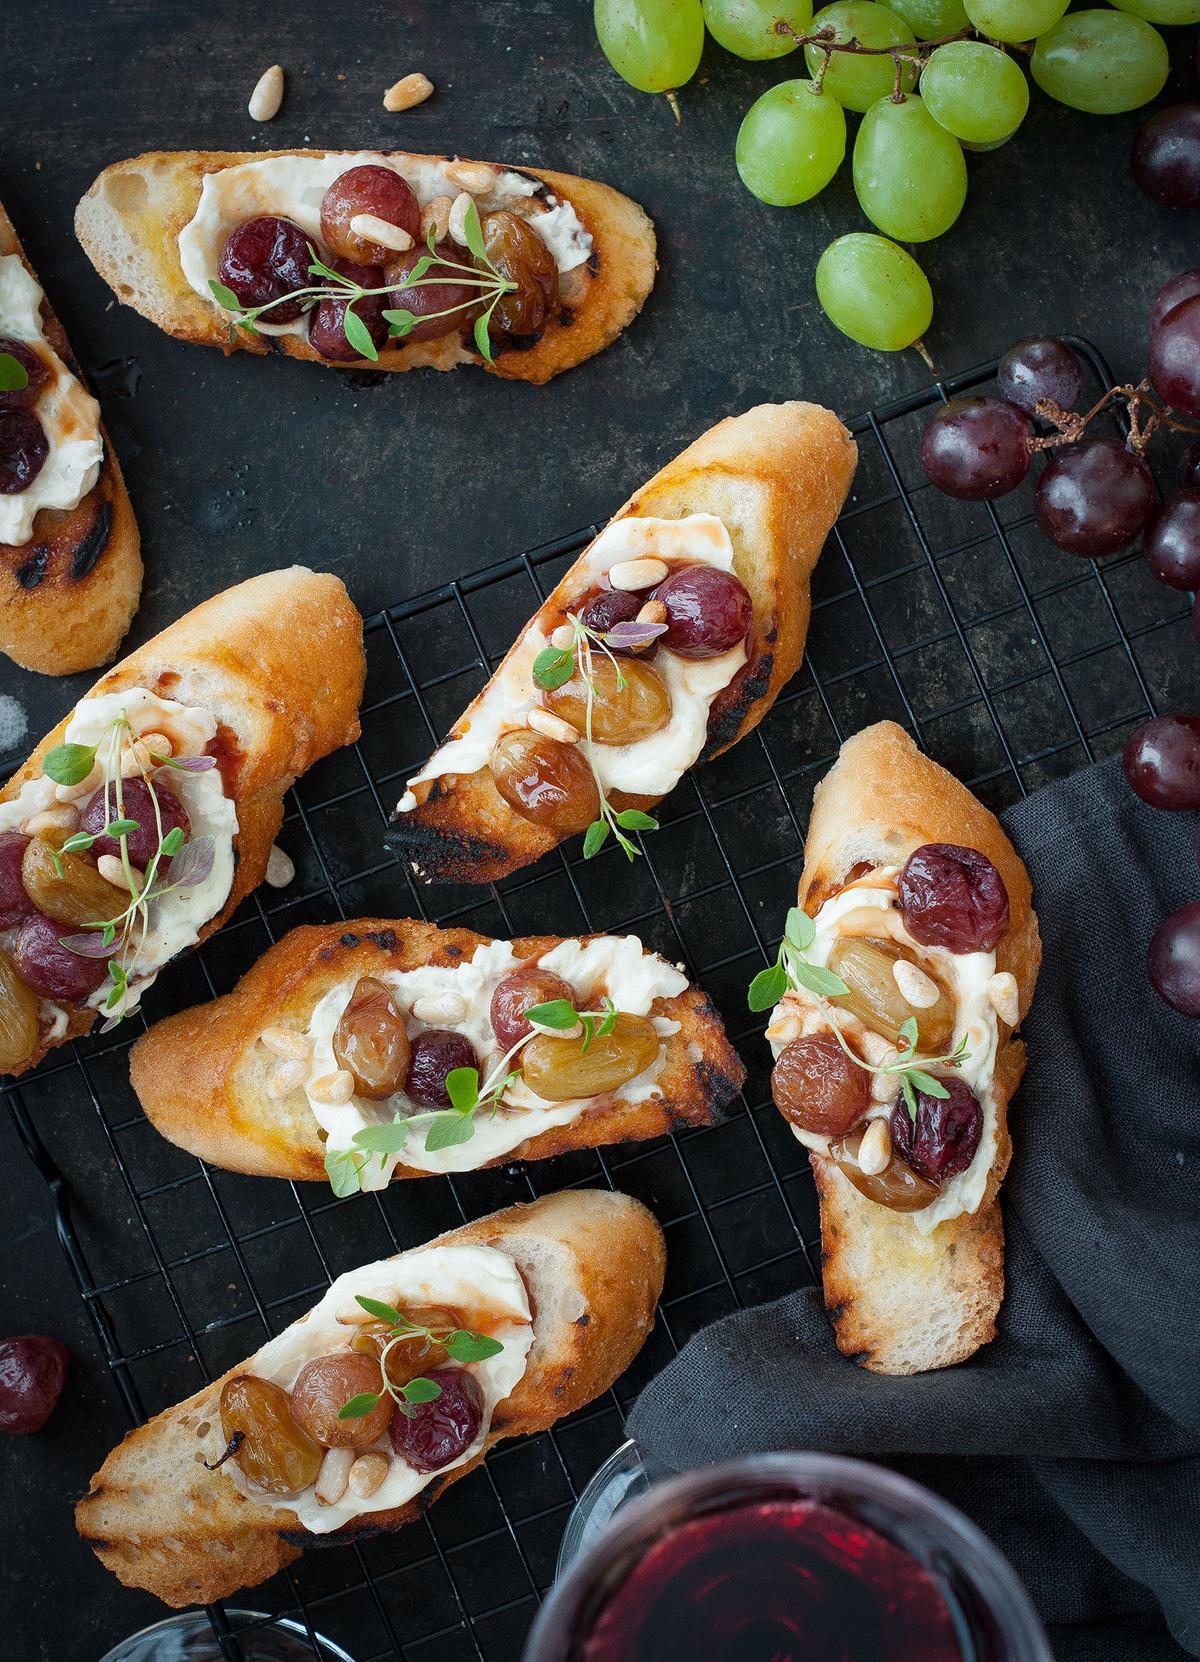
(429, 1435)
(708, 611)
(1173, 361)
(23, 450)
(51, 970)
(1040, 367)
(33, 1371)
(1184, 286)
(101, 809)
(1173, 961)
(323, 1388)
(15, 904)
(1165, 159)
(1162, 761)
(1094, 497)
(435, 1053)
(440, 291)
(943, 1141)
(1172, 541)
(976, 448)
(327, 320)
(35, 368)
(610, 607)
(953, 897)
(370, 189)
(519, 991)
(521, 257)
(263, 259)
(816, 1086)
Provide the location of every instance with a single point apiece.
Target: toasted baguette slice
(129, 224)
(203, 1078)
(67, 596)
(279, 661)
(903, 1302)
(776, 476)
(593, 1265)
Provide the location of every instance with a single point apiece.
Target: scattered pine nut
(436, 1008)
(367, 1473)
(333, 1476)
(630, 576)
(280, 869)
(1002, 996)
(457, 226)
(563, 637)
(373, 229)
(63, 818)
(652, 612)
(113, 871)
(554, 727)
(267, 95)
(333, 1088)
(473, 177)
(407, 92)
(875, 1150)
(916, 988)
(435, 217)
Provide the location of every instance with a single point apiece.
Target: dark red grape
(33, 1371)
(1173, 960)
(265, 258)
(1040, 367)
(1165, 159)
(708, 611)
(23, 450)
(370, 189)
(1185, 286)
(429, 1435)
(976, 448)
(435, 1053)
(1173, 361)
(101, 809)
(327, 320)
(610, 607)
(51, 970)
(1196, 617)
(432, 298)
(943, 1141)
(15, 904)
(953, 897)
(1162, 761)
(34, 367)
(1172, 541)
(1189, 466)
(1094, 497)
(519, 991)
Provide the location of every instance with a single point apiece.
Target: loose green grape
(791, 143)
(856, 82)
(655, 45)
(1102, 62)
(932, 18)
(747, 27)
(975, 91)
(1162, 11)
(909, 174)
(874, 292)
(1014, 20)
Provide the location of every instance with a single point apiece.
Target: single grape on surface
(976, 449)
(655, 45)
(1173, 359)
(975, 91)
(1165, 159)
(1094, 497)
(1171, 545)
(33, 1371)
(1162, 762)
(1102, 62)
(909, 173)
(874, 291)
(747, 27)
(858, 81)
(1173, 960)
(1040, 367)
(1013, 21)
(791, 143)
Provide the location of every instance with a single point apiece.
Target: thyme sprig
(14, 377)
(459, 1343)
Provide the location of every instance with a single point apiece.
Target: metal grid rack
(1010, 661)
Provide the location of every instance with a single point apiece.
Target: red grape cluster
(1162, 763)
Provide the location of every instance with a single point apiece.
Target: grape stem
(912, 57)
(1071, 425)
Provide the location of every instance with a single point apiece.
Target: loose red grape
(429, 1435)
(1094, 497)
(51, 970)
(370, 189)
(1184, 286)
(23, 450)
(33, 1371)
(953, 897)
(101, 809)
(976, 448)
(1162, 761)
(1172, 542)
(946, 1134)
(1173, 361)
(34, 367)
(1173, 960)
(327, 320)
(1165, 159)
(708, 611)
(432, 298)
(15, 904)
(263, 259)
(435, 1053)
(1040, 367)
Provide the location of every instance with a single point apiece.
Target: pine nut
(473, 177)
(875, 1150)
(280, 868)
(1002, 996)
(287, 1042)
(784, 1028)
(352, 1315)
(883, 1087)
(112, 869)
(575, 1031)
(563, 638)
(435, 217)
(915, 986)
(332, 1478)
(554, 727)
(288, 1077)
(436, 1008)
(267, 95)
(157, 745)
(373, 229)
(633, 575)
(457, 224)
(653, 612)
(85, 787)
(367, 1473)
(136, 760)
(332, 1088)
(876, 1049)
(407, 92)
(63, 818)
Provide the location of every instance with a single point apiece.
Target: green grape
(747, 27)
(932, 18)
(909, 174)
(791, 143)
(874, 292)
(655, 45)
(1162, 11)
(1102, 62)
(1014, 20)
(856, 82)
(976, 92)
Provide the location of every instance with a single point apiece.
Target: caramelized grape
(371, 1042)
(816, 1086)
(610, 607)
(327, 320)
(545, 781)
(68, 889)
(954, 898)
(262, 260)
(621, 714)
(897, 1186)
(136, 805)
(33, 1371)
(433, 297)
(367, 190)
(708, 611)
(560, 1070)
(35, 368)
(413, 1353)
(429, 1435)
(54, 971)
(274, 1452)
(520, 256)
(946, 1134)
(519, 991)
(15, 904)
(18, 1017)
(435, 1053)
(866, 968)
(323, 1388)
(23, 450)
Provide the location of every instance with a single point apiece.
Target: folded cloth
(1074, 1439)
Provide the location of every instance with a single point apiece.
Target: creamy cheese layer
(654, 765)
(633, 978)
(69, 415)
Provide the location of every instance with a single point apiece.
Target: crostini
(365, 258)
(905, 968)
(494, 1330)
(372, 1051)
(667, 641)
(145, 817)
(70, 559)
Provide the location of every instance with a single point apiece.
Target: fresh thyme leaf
(173, 841)
(908, 1034)
(318, 268)
(473, 231)
(462, 1346)
(462, 1087)
(382, 1139)
(818, 980)
(633, 819)
(597, 836)
(224, 297)
(909, 1097)
(400, 321)
(483, 338)
(799, 930)
(359, 335)
(14, 377)
(559, 1013)
(418, 271)
(360, 1406)
(926, 1082)
(342, 1167)
(767, 988)
(421, 1390)
(69, 764)
(382, 1312)
(447, 1128)
(553, 667)
(77, 840)
(122, 828)
(110, 934)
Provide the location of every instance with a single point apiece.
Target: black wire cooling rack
(1012, 663)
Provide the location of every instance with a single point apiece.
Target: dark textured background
(238, 466)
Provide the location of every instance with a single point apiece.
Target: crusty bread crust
(279, 661)
(129, 224)
(902, 1302)
(202, 1077)
(777, 476)
(68, 595)
(593, 1263)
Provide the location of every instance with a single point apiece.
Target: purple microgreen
(87, 946)
(185, 764)
(193, 863)
(632, 634)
